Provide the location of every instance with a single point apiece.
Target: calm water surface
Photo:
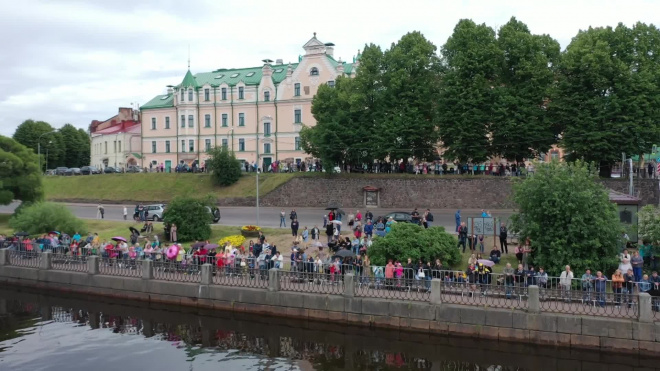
(51, 332)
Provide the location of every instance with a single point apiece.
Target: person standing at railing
(531, 276)
(587, 281)
(600, 285)
(617, 286)
(644, 284)
(428, 275)
(520, 275)
(637, 264)
(629, 287)
(565, 280)
(462, 235)
(624, 260)
(508, 280)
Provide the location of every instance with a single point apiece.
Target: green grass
(153, 187)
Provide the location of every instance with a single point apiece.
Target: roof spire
(188, 56)
(314, 34)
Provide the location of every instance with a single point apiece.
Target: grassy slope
(153, 187)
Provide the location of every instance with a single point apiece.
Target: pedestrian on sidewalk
(282, 219)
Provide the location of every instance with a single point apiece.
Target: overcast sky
(73, 61)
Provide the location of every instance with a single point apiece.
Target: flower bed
(236, 240)
(250, 230)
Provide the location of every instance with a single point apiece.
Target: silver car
(155, 212)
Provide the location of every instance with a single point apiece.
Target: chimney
(279, 62)
(329, 49)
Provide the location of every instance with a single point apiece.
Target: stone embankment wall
(435, 192)
(634, 336)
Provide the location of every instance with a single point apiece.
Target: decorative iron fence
(120, 267)
(67, 262)
(177, 271)
(30, 259)
(241, 276)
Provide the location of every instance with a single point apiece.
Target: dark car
(68, 172)
(399, 216)
(215, 212)
(61, 170)
(76, 171)
(86, 170)
(111, 170)
(134, 169)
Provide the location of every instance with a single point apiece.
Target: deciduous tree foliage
(191, 217)
(568, 218)
(607, 98)
(76, 147)
(68, 147)
(20, 177)
(225, 169)
(407, 240)
(43, 217)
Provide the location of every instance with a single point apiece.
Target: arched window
(314, 71)
(190, 95)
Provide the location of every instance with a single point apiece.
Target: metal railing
(30, 259)
(482, 289)
(68, 262)
(314, 279)
(241, 276)
(171, 270)
(120, 267)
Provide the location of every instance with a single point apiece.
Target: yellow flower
(251, 228)
(236, 240)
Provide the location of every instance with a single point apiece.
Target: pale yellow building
(256, 112)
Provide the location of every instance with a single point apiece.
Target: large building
(116, 141)
(256, 112)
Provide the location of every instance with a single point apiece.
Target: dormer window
(183, 95)
(190, 95)
(235, 75)
(314, 71)
(250, 74)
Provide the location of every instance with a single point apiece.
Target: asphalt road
(270, 216)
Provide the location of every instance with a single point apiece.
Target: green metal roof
(189, 81)
(348, 67)
(160, 101)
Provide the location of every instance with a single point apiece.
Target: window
(167, 122)
(219, 76)
(119, 146)
(223, 92)
(183, 95)
(191, 121)
(267, 128)
(297, 116)
(183, 121)
(266, 147)
(279, 70)
(296, 89)
(241, 92)
(224, 120)
(314, 71)
(114, 146)
(153, 146)
(106, 147)
(207, 95)
(207, 143)
(207, 121)
(235, 75)
(167, 146)
(266, 96)
(183, 145)
(190, 95)
(153, 123)
(241, 119)
(331, 83)
(250, 74)
(297, 145)
(241, 145)
(191, 145)
(225, 143)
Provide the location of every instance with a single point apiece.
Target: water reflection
(39, 332)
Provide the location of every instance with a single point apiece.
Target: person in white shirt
(125, 212)
(278, 260)
(565, 280)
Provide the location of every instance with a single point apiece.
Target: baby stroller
(379, 273)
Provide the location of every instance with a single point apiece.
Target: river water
(62, 332)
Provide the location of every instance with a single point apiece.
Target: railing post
(644, 308)
(93, 264)
(147, 269)
(349, 285)
(533, 303)
(436, 291)
(274, 279)
(46, 260)
(4, 256)
(207, 274)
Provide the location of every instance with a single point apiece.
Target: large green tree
(20, 177)
(225, 169)
(471, 61)
(32, 133)
(85, 148)
(568, 217)
(521, 128)
(75, 147)
(607, 97)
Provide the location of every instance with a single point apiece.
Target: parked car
(76, 171)
(134, 169)
(51, 172)
(155, 212)
(68, 172)
(61, 170)
(95, 170)
(399, 216)
(215, 212)
(111, 170)
(86, 170)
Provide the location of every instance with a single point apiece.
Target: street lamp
(258, 168)
(39, 146)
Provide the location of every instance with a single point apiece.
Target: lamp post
(39, 146)
(258, 168)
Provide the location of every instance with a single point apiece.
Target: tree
(191, 218)
(74, 146)
(28, 134)
(43, 217)
(471, 61)
(568, 218)
(85, 148)
(407, 240)
(20, 178)
(607, 94)
(648, 220)
(521, 128)
(225, 169)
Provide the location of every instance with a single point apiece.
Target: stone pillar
(206, 337)
(4, 257)
(93, 264)
(533, 303)
(274, 346)
(94, 319)
(644, 308)
(207, 274)
(274, 279)
(436, 291)
(46, 312)
(147, 269)
(4, 308)
(147, 328)
(46, 259)
(349, 285)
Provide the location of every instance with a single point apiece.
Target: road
(270, 216)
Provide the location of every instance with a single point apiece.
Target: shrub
(191, 217)
(225, 169)
(407, 240)
(43, 217)
(236, 240)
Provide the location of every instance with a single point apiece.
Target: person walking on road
(125, 213)
(457, 216)
(282, 219)
(101, 211)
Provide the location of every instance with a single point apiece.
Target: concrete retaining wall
(640, 336)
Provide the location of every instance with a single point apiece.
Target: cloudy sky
(72, 61)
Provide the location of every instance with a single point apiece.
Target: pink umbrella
(118, 238)
(485, 262)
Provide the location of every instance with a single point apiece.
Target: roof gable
(189, 81)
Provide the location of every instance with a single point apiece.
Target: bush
(43, 217)
(191, 217)
(407, 240)
(225, 169)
